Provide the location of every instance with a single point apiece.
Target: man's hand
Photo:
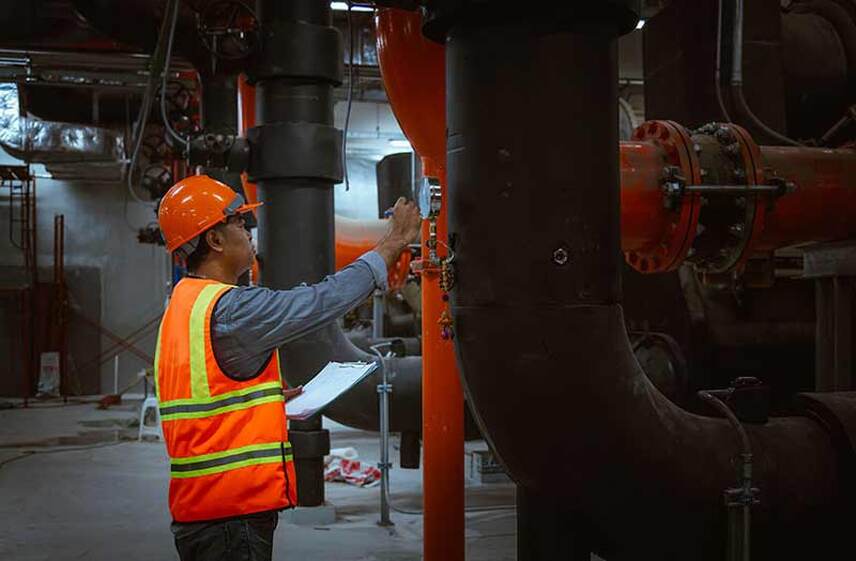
(404, 228)
(291, 393)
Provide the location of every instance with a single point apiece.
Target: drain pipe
(635, 476)
(295, 161)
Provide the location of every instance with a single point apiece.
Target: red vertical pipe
(442, 410)
(414, 76)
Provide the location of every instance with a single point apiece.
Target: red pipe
(822, 205)
(645, 224)
(413, 70)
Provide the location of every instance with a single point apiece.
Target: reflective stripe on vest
(236, 458)
(233, 401)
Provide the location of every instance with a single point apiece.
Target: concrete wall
(101, 240)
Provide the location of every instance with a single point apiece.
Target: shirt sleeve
(250, 322)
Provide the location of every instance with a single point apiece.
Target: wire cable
(164, 117)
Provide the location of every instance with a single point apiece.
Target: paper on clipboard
(334, 379)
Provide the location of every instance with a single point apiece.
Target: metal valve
(430, 198)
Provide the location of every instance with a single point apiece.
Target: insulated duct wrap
(32, 139)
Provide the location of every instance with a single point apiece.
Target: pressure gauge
(429, 197)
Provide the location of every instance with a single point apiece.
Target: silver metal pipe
(737, 34)
(737, 79)
(738, 500)
(383, 390)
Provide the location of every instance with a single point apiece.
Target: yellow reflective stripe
(229, 467)
(221, 410)
(235, 458)
(222, 396)
(198, 372)
(230, 452)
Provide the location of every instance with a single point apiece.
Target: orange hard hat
(195, 204)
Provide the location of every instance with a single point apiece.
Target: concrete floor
(61, 501)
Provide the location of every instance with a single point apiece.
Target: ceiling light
(641, 24)
(343, 6)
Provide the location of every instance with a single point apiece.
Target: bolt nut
(560, 256)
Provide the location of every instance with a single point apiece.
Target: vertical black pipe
(560, 140)
(296, 155)
(532, 142)
(395, 178)
(220, 116)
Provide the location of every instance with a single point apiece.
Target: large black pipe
(584, 433)
(395, 178)
(220, 116)
(296, 160)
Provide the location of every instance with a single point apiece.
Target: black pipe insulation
(395, 178)
(295, 159)
(359, 407)
(220, 116)
(584, 433)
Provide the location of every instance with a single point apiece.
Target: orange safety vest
(227, 440)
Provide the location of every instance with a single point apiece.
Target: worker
(217, 368)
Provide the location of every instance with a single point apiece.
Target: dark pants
(248, 538)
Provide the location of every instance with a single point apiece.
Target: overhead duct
(31, 139)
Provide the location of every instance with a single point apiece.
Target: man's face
(237, 244)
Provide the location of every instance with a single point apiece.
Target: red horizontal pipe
(822, 206)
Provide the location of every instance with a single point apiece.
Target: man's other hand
(404, 227)
(291, 393)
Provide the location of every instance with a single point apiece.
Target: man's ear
(215, 240)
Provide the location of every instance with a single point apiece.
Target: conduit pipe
(414, 77)
(630, 474)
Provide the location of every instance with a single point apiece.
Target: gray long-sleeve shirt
(250, 322)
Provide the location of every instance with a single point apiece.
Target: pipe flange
(729, 222)
(672, 249)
